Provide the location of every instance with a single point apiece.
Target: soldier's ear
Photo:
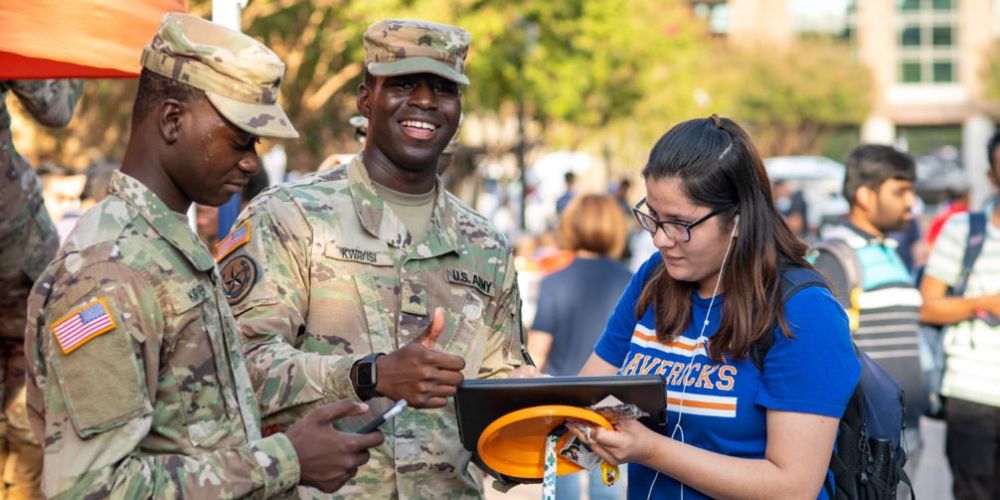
(364, 100)
(169, 114)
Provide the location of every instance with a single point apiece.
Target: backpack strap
(793, 279)
(846, 255)
(973, 247)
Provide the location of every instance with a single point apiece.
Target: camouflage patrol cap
(240, 76)
(402, 47)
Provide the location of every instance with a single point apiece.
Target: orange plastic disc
(514, 444)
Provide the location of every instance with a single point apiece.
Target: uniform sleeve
(505, 334)
(613, 345)
(51, 102)
(945, 260)
(271, 315)
(817, 370)
(94, 345)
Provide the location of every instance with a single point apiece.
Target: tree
(793, 100)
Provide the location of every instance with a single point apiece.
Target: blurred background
(588, 85)
(568, 97)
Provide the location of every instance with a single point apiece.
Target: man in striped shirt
(972, 345)
(870, 279)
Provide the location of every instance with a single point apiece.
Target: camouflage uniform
(160, 405)
(28, 240)
(330, 274)
(136, 379)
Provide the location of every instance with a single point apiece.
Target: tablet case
(479, 402)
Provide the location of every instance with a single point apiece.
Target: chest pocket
(193, 357)
(467, 300)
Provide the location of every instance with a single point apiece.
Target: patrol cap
(239, 75)
(402, 47)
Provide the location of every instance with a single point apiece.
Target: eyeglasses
(677, 231)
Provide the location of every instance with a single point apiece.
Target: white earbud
(736, 225)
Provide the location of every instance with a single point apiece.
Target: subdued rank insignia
(83, 325)
(470, 279)
(238, 278)
(236, 238)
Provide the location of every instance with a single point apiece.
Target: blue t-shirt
(725, 404)
(573, 310)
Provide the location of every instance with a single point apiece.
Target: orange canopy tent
(77, 38)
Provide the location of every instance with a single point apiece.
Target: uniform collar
(440, 237)
(171, 225)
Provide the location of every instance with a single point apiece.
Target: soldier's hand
(418, 373)
(328, 458)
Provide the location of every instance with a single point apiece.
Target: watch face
(366, 374)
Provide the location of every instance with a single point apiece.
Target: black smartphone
(383, 418)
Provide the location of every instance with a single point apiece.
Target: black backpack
(868, 455)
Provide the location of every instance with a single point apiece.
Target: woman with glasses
(692, 312)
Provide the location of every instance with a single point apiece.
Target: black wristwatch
(364, 376)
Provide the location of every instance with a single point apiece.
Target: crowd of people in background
(683, 280)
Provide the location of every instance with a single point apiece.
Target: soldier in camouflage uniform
(28, 240)
(137, 383)
(336, 286)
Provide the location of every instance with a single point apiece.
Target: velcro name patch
(470, 279)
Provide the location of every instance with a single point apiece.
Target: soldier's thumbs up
(430, 335)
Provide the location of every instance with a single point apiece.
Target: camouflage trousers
(27, 246)
(20, 453)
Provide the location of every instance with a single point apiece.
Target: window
(910, 72)
(942, 36)
(928, 41)
(943, 72)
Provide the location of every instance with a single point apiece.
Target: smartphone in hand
(396, 409)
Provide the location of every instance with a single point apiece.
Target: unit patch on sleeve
(237, 238)
(238, 278)
(82, 325)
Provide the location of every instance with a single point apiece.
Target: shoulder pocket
(102, 382)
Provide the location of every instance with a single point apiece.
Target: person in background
(28, 240)
(971, 382)
(206, 224)
(958, 202)
(571, 310)
(63, 192)
(883, 301)
(693, 312)
(568, 195)
(621, 197)
(791, 204)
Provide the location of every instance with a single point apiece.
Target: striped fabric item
(237, 238)
(82, 325)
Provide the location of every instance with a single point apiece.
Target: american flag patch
(82, 325)
(236, 239)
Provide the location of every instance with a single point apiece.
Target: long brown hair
(720, 168)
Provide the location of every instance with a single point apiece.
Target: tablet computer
(479, 402)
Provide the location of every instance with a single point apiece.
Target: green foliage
(608, 76)
(793, 99)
